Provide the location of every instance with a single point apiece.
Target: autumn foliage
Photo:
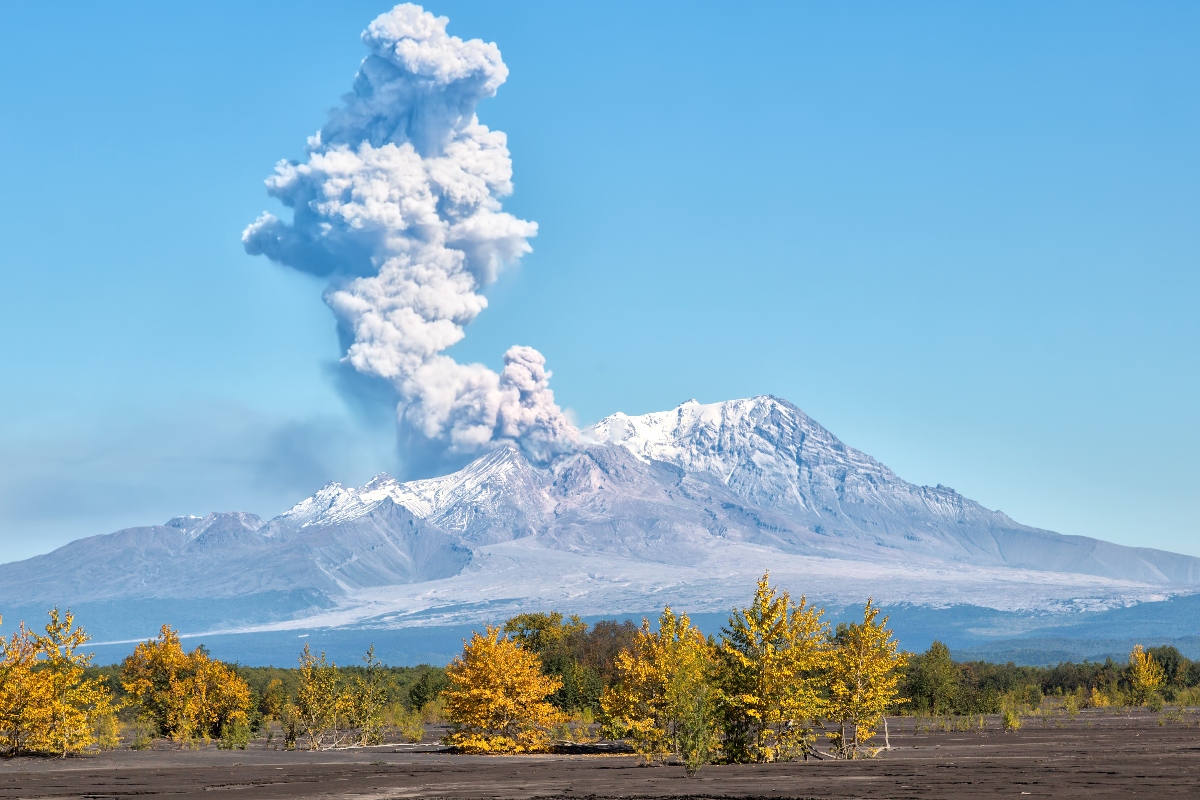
(760, 693)
(863, 679)
(47, 705)
(774, 654)
(1145, 675)
(663, 701)
(497, 697)
(188, 696)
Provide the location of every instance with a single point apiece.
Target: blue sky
(963, 237)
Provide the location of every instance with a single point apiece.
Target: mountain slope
(685, 506)
(773, 455)
(234, 554)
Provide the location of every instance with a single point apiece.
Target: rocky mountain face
(682, 506)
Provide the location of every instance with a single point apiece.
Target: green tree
(1174, 663)
(427, 687)
(934, 679)
(561, 644)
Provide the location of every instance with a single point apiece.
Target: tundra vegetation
(777, 683)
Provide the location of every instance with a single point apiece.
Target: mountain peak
(382, 479)
(690, 504)
(216, 520)
(694, 431)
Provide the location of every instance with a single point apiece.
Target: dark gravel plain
(1098, 754)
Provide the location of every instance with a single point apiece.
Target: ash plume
(398, 205)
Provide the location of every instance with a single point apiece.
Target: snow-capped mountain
(686, 506)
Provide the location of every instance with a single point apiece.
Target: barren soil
(1098, 754)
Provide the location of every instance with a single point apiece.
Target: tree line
(763, 691)
(53, 702)
(778, 680)
(935, 684)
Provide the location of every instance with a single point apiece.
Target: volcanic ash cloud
(398, 205)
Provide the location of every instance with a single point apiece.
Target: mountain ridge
(683, 506)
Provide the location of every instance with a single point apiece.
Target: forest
(777, 681)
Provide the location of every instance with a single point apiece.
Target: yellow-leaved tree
(663, 698)
(1145, 675)
(188, 696)
(496, 700)
(321, 701)
(368, 696)
(21, 693)
(773, 655)
(863, 679)
(47, 705)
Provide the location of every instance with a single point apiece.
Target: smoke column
(398, 205)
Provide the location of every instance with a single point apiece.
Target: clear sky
(964, 237)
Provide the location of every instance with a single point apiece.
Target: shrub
(235, 735)
(106, 730)
(141, 732)
(1097, 699)
(576, 729)
(427, 688)
(434, 711)
(408, 723)
(289, 723)
(1012, 720)
(1188, 697)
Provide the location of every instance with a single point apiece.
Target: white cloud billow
(398, 205)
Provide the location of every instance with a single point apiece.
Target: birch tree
(863, 679)
(497, 697)
(773, 653)
(1146, 675)
(47, 705)
(664, 699)
(189, 696)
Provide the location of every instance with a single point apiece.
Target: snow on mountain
(686, 506)
(773, 454)
(497, 496)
